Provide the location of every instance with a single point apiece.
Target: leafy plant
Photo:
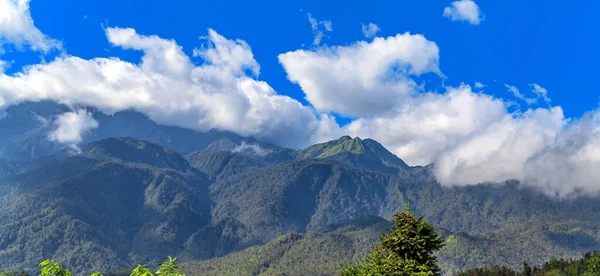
(168, 268)
(141, 270)
(52, 268)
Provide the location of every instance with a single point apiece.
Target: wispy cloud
(515, 91)
(319, 28)
(540, 92)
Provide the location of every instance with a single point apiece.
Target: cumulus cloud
(71, 126)
(422, 127)
(464, 10)
(17, 28)
(319, 28)
(479, 85)
(472, 138)
(167, 86)
(369, 30)
(469, 136)
(515, 91)
(365, 77)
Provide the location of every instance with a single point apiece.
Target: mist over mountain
(26, 130)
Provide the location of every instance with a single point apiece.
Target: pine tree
(407, 250)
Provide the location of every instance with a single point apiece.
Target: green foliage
(593, 265)
(589, 265)
(141, 270)
(52, 268)
(407, 250)
(168, 268)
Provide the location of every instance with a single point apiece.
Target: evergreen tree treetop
(406, 250)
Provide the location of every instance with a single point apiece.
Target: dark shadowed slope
(120, 201)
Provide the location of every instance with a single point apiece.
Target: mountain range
(136, 191)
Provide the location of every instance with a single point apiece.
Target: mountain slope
(217, 164)
(300, 196)
(318, 253)
(116, 203)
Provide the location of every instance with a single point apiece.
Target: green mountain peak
(366, 153)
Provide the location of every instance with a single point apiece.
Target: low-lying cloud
(71, 126)
(244, 147)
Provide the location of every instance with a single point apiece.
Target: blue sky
(519, 42)
(486, 90)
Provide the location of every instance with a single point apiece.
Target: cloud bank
(471, 137)
(220, 93)
(464, 10)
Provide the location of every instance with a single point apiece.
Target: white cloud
(170, 89)
(500, 150)
(17, 28)
(319, 28)
(464, 10)
(424, 126)
(369, 30)
(71, 126)
(365, 77)
(471, 137)
(479, 85)
(519, 95)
